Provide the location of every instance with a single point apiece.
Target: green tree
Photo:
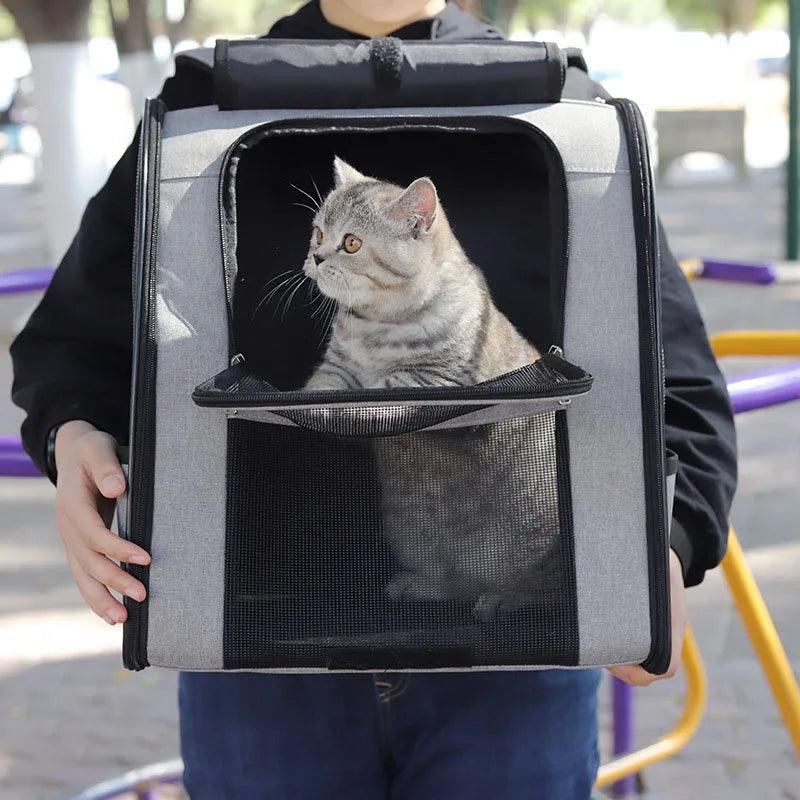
(564, 14)
(51, 20)
(726, 16)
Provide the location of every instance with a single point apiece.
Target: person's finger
(109, 544)
(103, 465)
(109, 574)
(81, 511)
(633, 675)
(96, 596)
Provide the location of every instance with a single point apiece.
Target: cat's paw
(415, 586)
(489, 606)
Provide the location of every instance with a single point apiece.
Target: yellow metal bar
(670, 744)
(756, 343)
(746, 595)
(692, 267)
(763, 635)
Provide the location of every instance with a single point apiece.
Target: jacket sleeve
(699, 428)
(699, 419)
(72, 360)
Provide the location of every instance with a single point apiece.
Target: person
(416, 737)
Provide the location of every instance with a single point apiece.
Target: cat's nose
(318, 259)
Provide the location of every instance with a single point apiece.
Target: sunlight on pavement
(37, 637)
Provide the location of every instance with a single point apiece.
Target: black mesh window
(419, 551)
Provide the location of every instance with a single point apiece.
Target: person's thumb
(104, 467)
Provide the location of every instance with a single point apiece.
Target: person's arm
(699, 419)
(699, 428)
(72, 359)
(72, 368)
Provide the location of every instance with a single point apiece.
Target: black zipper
(260, 401)
(565, 380)
(652, 383)
(142, 421)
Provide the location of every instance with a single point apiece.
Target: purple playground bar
(738, 272)
(14, 461)
(769, 388)
(622, 703)
(25, 280)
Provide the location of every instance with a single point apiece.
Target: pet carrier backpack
(543, 495)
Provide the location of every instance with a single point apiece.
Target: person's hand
(89, 480)
(633, 673)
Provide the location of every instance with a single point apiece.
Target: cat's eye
(351, 243)
(318, 236)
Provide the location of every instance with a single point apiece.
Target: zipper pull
(237, 359)
(555, 350)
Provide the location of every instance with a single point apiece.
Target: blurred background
(712, 79)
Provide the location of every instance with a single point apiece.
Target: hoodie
(73, 358)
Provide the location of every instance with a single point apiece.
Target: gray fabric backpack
(262, 504)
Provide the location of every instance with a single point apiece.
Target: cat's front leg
(326, 379)
(489, 605)
(417, 586)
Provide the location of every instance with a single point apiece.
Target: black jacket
(73, 359)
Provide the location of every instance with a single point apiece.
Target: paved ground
(70, 716)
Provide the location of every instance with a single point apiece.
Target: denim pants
(455, 736)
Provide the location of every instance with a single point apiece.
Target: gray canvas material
(188, 544)
(601, 335)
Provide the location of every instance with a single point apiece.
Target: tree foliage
(50, 20)
(564, 14)
(720, 15)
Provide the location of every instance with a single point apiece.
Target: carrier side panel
(605, 435)
(187, 572)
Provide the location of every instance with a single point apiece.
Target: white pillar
(142, 74)
(71, 128)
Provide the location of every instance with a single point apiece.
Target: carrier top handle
(287, 73)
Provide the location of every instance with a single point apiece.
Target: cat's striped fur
(413, 310)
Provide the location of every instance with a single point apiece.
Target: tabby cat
(414, 311)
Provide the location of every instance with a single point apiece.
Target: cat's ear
(416, 208)
(343, 173)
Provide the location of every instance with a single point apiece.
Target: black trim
(549, 376)
(566, 526)
(142, 420)
(652, 384)
(403, 658)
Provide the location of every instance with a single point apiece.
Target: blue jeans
(476, 736)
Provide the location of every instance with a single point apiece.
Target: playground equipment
(748, 393)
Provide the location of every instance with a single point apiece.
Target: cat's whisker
(276, 277)
(310, 197)
(316, 188)
(322, 307)
(267, 297)
(292, 295)
(329, 321)
(306, 205)
(287, 291)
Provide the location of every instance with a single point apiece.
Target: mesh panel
(384, 421)
(435, 549)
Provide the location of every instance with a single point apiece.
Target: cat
(414, 311)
